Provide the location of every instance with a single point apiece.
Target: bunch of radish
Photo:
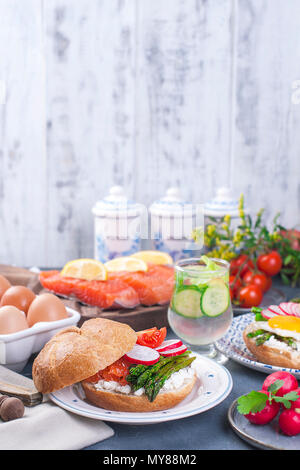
(284, 308)
(279, 395)
(149, 356)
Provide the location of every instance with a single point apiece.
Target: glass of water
(200, 311)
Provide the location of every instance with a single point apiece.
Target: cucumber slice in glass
(215, 300)
(186, 302)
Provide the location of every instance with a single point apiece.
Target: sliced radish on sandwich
(295, 309)
(276, 309)
(169, 344)
(286, 308)
(174, 352)
(142, 355)
(267, 314)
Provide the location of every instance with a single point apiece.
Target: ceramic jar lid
(117, 204)
(224, 203)
(172, 204)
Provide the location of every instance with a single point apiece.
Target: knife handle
(30, 397)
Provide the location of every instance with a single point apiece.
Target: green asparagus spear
(153, 386)
(138, 381)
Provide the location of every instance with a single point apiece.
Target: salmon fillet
(154, 286)
(102, 294)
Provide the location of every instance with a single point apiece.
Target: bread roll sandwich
(274, 336)
(114, 367)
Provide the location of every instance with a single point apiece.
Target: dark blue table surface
(208, 430)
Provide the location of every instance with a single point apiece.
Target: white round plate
(233, 346)
(213, 385)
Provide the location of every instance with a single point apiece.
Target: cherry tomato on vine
(250, 296)
(269, 283)
(234, 285)
(242, 263)
(258, 279)
(270, 263)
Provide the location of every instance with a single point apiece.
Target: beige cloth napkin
(47, 426)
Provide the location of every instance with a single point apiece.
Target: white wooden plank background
(147, 94)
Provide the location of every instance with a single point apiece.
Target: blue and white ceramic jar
(172, 221)
(223, 203)
(117, 226)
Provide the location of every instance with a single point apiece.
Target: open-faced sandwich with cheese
(274, 336)
(117, 368)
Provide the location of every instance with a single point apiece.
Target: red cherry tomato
(242, 263)
(289, 422)
(270, 263)
(266, 415)
(290, 382)
(269, 283)
(234, 285)
(258, 279)
(152, 337)
(250, 296)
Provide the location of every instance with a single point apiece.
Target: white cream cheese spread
(175, 382)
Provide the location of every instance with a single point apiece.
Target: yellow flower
(276, 236)
(211, 230)
(227, 219)
(241, 202)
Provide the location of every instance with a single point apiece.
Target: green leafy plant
(252, 237)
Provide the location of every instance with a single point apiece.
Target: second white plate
(214, 383)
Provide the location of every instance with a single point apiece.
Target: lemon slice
(85, 268)
(126, 263)
(152, 256)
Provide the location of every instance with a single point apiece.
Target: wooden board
(138, 318)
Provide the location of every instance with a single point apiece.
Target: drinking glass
(200, 311)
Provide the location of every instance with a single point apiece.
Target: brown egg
(19, 296)
(4, 285)
(46, 307)
(12, 320)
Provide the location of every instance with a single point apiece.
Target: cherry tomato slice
(152, 337)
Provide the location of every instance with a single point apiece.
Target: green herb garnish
(255, 402)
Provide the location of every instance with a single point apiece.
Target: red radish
(266, 415)
(142, 355)
(289, 422)
(286, 307)
(174, 352)
(266, 313)
(290, 382)
(276, 309)
(169, 344)
(295, 309)
(296, 404)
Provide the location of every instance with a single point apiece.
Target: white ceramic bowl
(16, 348)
